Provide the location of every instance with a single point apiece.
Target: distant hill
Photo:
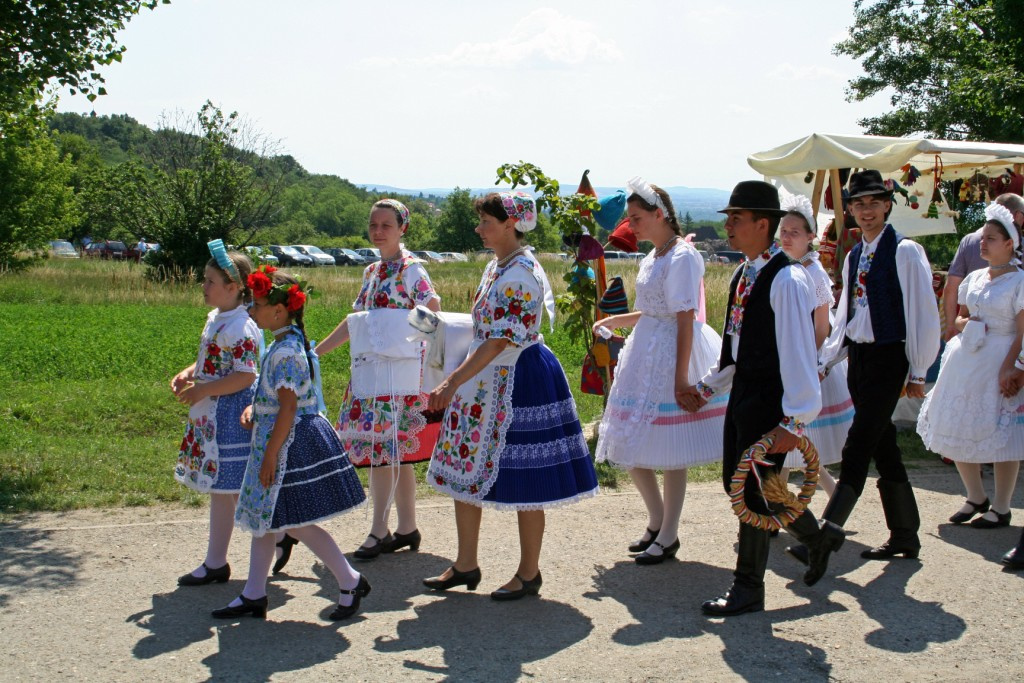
(703, 203)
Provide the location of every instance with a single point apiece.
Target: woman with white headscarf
(973, 415)
(510, 435)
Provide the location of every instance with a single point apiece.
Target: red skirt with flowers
(373, 429)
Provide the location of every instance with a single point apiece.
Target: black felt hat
(755, 195)
(867, 183)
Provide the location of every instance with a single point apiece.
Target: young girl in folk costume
(510, 435)
(972, 414)
(297, 473)
(828, 430)
(218, 387)
(382, 421)
(643, 428)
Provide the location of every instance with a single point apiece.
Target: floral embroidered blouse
(402, 283)
(230, 343)
(508, 302)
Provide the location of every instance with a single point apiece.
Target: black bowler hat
(868, 183)
(755, 195)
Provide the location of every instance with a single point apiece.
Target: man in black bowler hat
(769, 367)
(888, 320)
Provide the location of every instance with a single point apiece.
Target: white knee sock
(324, 547)
(382, 490)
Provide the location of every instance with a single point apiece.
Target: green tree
(36, 202)
(955, 69)
(43, 40)
(687, 223)
(213, 178)
(455, 225)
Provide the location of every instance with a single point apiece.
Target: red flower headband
(291, 296)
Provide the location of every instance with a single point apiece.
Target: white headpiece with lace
(1000, 214)
(801, 205)
(643, 189)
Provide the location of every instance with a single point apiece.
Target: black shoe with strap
(218, 575)
(399, 541)
(257, 608)
(470, 580)
(1002, 519)
(1014, 559)
(667, 552)
(531, 587)
(642, 545)
(285, 544)
(361, 590)
(977, 509)
(365, 552)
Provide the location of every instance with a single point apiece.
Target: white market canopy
(819, 155)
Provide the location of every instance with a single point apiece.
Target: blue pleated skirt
(545, 462)
(319, 480)
(233, 440)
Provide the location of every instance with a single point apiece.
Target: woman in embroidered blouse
(373, 426)
(510, 438)
(973, 415)
(218, 387)
(643, 428)
(828, 430)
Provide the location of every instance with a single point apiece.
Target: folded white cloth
(973, 336)
(384, 361)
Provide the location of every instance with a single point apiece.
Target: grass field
(87, 418)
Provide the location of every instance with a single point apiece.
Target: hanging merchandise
(937, 206)
(910, 174)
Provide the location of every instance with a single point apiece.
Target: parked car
(730, 256)
(346, 257)
(704, 255)
(370, 255)
(62, 249)
(261, 256)
(289, 256)
(453, 256)
(107, 250)
(315, 253)
(429, 256)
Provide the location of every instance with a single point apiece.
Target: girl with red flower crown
(297, 474)
(218, 387)
(378, 427)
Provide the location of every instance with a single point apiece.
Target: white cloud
(789, 72)
(544, 37)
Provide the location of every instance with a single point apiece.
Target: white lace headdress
(799, 204)
(643, 189)
(1000, 214)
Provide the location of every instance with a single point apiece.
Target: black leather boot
(747, 591)
(840, 507)
(819, 542)
(903, 520)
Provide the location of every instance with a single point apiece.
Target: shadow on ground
(31, 560)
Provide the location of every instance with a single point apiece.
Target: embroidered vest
(758, 350)
(885, 296)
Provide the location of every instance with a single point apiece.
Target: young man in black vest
(769, 366)
(888, 320)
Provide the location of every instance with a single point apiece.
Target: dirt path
(92, 596)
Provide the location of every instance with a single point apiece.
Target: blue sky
(438, 94)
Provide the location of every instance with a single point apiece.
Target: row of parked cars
(311, 256)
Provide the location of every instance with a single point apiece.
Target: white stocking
(405, 500)
(382, 489)
(970, 473)
(646, 483)
(261, 556)
(324, 547)
(1006, 481)
(675, 493)
(222, 523)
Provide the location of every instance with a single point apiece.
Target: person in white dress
(828, 430)
(973, 414)
(644, 429)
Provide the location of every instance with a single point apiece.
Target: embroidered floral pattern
(510, 309)
(793, 425)
(746, 283)
(402, 283)
(860, 291)
(193, 465)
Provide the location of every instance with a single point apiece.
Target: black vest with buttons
(885, 296)
(758, 349)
